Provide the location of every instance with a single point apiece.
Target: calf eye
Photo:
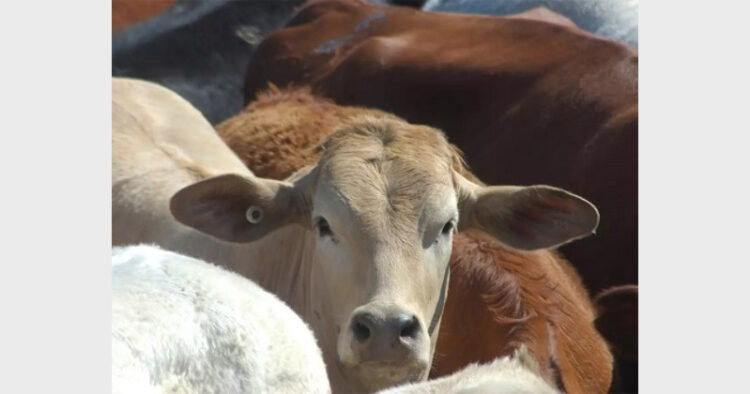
(448, 228)
(324, 229)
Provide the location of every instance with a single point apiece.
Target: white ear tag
(254, 214)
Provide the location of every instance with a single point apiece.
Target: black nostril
(361, 332)
(409, 326)
(362, 327)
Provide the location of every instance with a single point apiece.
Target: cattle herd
(342, 196)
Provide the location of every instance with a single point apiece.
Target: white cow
(357, 245)
(181, 325)
(516, 374)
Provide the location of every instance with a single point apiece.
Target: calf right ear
(235, 208)
(526, 218)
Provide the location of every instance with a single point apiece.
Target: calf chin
(380, 369)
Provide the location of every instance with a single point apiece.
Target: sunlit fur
(181, 325)
(517, 374)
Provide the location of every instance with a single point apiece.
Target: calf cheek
(344, 287)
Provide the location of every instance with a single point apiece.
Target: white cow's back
(517, 374)
(180, 325)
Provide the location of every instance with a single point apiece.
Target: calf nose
(387, 330)
(386, 335)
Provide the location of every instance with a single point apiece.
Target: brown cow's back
(129, 12)
(497, 299)
(280, 132)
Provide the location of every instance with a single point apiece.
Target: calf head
(382, 205)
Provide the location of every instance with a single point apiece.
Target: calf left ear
(236, 208)
(527, 218)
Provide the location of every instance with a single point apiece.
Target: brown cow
(128, 12)
(527, 100)
(498, 298)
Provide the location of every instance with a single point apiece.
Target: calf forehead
(388, 169)
(385, 138)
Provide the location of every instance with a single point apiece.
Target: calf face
(382, 205)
